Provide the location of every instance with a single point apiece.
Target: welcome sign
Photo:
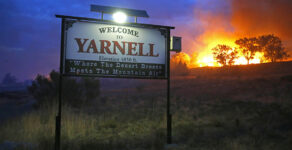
(113, 50)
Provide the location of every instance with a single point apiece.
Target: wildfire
(258, 58)
(202, 54)
(218, 27)
(205, 55)
(207, 61)
(206, 58)
(210, 40)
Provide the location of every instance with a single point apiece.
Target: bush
(76, 91)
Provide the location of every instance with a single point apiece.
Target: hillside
(264, 82)
(240, 107)
(247, 71)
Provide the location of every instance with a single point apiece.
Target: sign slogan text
(114, 51)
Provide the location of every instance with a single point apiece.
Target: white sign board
(114, 50)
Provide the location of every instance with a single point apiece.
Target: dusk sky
(30, 33)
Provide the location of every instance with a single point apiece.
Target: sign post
(102, 48)
(168, 114)
(58, 117)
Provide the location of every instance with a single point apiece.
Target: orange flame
(205, 56)
(202, 51)
(216, 27)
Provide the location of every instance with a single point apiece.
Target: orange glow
(217, 28)
(210, 40)
(204, 56)
(181, 58)
(207, 59)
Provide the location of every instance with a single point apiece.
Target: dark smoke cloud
(255, 17)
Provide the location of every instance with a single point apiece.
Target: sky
(30, 32)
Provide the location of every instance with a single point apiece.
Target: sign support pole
(168, 114)
(58, 117)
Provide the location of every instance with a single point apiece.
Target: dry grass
(223, 125)
(209, 113)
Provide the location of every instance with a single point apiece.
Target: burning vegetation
(243, 32)
(254, 50)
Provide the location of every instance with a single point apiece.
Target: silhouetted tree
(8, 79)
(272, 47)
(224, 54)
(179, 64)
(179, 68)
(75, 92)
(248, 47)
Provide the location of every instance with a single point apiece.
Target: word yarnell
(112, 47)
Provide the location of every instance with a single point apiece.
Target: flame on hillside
(205, 56)
(246, 18)
(215, 33)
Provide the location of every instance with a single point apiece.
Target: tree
(272, 47)
(224, 54)
(8, 79)
(179, 64)
(75, 92)
(248, 47)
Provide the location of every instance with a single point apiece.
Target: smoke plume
(256, 17)
(224, 21)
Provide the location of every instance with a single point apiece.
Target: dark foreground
(239, 108)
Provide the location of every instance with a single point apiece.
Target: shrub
(76, 91)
